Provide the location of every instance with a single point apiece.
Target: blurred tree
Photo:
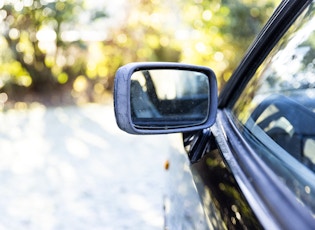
(221, 31)
(35, 53)
(144, 34)
(41, 52)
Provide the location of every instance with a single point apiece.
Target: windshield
(277, 109)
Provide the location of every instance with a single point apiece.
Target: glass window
(276, 111)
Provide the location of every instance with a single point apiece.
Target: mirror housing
(164, 97)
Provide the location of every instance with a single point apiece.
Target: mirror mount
(164, 97)
(197, 143)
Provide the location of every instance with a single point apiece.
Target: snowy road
(72, 168)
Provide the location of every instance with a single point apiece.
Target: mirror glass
(168, 98)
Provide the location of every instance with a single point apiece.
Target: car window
(276, 111)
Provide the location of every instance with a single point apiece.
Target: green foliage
(33, 37)
(222, 30)
(41, 52)
(141, 37)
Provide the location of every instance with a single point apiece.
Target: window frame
(282, 19)
(230, 96)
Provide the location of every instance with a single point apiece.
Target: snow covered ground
(72, 168)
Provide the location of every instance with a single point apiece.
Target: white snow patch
(72, 168)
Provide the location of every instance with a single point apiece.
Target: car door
(257, 169)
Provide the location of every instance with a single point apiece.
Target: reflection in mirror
(169, 98)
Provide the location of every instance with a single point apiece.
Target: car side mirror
(162, 97)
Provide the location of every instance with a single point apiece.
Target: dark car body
(242, 183)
